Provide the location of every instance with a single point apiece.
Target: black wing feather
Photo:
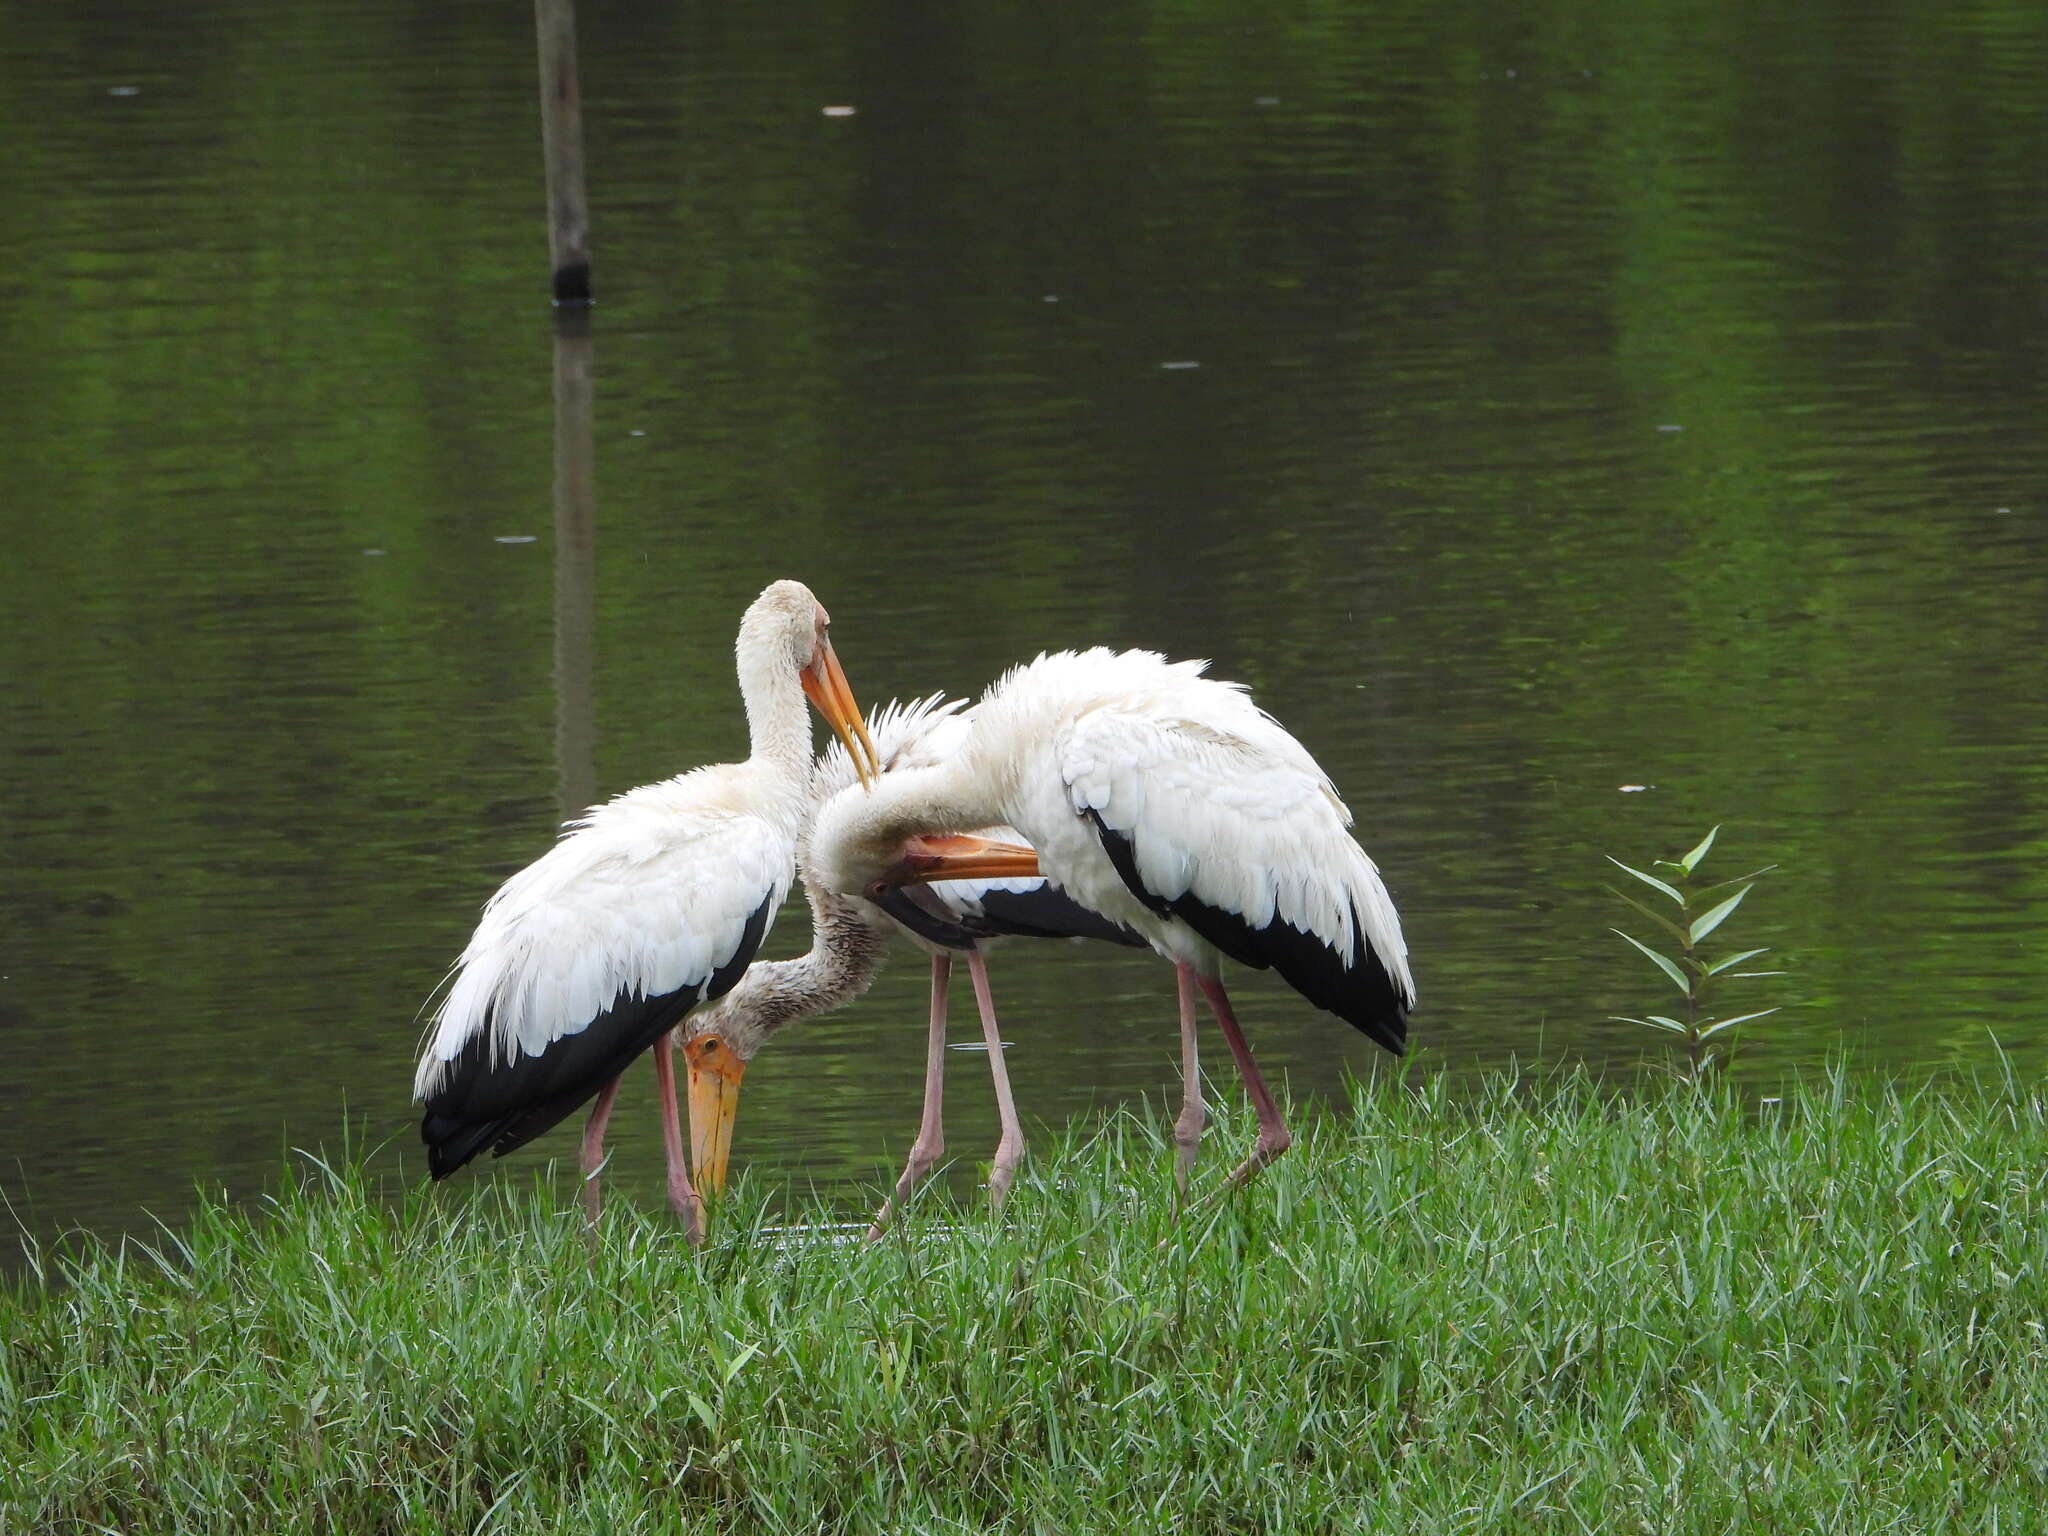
(1047, 912)
(505, 1104)
(1356, 988)
(1043, 912)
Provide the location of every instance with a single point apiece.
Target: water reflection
(575, 562)
(1450, 279)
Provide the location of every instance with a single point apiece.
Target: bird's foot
(1271, 1143)
(1187, 1142)
(690, 1210)
(595, 1160)
(925, 1153)
(1002, 1173)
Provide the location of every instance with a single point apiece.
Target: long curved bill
(715, 1074)
(826, 687)
(960, 856)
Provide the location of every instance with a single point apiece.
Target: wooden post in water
(561, 133)
(575, 563)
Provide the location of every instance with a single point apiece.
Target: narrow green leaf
(1721, 965)
(1654, 1021)
(1740, 1018)
(739, 1361)
(1677, 976)
(1658, 918)
(1708, 921)
(1741, 975)
(704, 1412)
(1722, 885)
(1691, 861)
(1650, 880)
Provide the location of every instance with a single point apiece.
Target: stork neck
(947, 797)
(778, 726)
(846, 948)
(846, 953)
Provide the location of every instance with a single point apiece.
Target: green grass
(1538, 1308)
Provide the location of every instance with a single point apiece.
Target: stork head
(868, 845)
(787, 627)
(719, 1040)
(721, 1037)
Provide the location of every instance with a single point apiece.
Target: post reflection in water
(575, 561)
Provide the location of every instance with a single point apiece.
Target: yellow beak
(960, 856)
(826, 687)
(715, 1074)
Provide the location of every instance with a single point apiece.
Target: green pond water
(1582, 423)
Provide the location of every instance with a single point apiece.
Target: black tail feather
(1357, 988)
(505, 1104)
(486, 1102)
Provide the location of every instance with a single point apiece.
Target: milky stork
(650, 905)
(1168, 803)
(849, 940)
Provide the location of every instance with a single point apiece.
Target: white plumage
(1169, 803)
(651, 904)
(849, 933)
(1220, 804)
(647, 895)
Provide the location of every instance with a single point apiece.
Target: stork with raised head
(849, 940)
(1170, 804)
(652, 904)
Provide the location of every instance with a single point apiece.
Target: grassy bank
(1542, 1308)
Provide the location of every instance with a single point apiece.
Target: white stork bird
(1170, 804)
(650, 905)
(849, 939)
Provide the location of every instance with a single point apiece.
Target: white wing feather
(1228, 807)
(649, 894)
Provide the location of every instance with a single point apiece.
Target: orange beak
(715, 1074)
(826, 687)
(960, 856)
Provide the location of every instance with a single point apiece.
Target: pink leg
(1273, 1136)
(682, 1195)
(930, 1145)
(1187, 1130)
(592, 1161)
(1010, 1148)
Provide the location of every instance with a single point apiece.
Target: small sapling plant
(1695, 912)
